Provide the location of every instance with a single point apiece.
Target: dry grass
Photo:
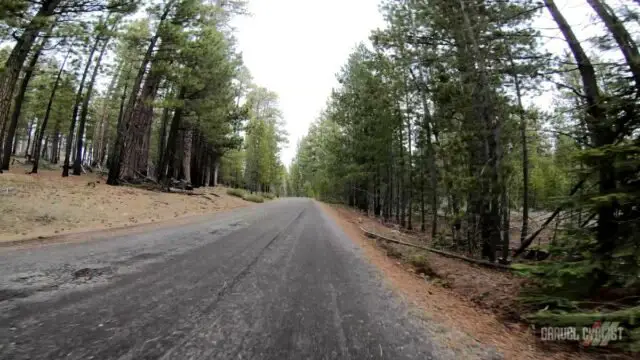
(46, 204)
(456, 305)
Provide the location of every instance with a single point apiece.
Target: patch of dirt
(488, 288)
(46, 204)
(455, 305)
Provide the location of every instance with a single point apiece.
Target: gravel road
(275, 281)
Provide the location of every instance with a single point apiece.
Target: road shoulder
(46, 208)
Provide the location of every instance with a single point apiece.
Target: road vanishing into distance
(273, 281)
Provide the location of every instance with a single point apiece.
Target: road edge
(86, 235)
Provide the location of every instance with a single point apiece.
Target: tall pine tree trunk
(76, 108)
(103, 130)
(17, 108)
(622, 37)
(601, 135)
(77, 164)
(43, 126)
(525, 151)
(162, 141)
(187, 137)
(114, 155)
(483, 107)
(401, 186)
(13, 65)
(172, 141)
(30, 126)
(124, 137)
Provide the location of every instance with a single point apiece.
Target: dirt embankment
(46, 204)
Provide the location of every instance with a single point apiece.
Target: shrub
(236, 192)
(420, 262)
(392, 252)
(253, 198)
(269, 196)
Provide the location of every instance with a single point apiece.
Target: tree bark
(135, 160)
(162, 140)
(187, 138)
(601, 135)
(482, 107)
(29, 132)
(54, 145)
(622, 37)
(410, 184)
(102, 131)
(43, 126)
(76, 108)
(77, 164)
(114, 156)
(45, 148)
(9, 76)
(123, 138)
(172, 139)
(216, 170)
(17, 108)
(525, 152)
(401, 187)
(431, 154)
(15, 145)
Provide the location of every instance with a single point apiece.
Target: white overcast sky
(296, 47)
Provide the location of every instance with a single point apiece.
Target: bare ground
(475, 300)
(45, 204)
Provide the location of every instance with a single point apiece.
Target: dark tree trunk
(187, 137)
(45, 148)
(33, 143)
(77, 164)
(162, 140)
(169, 156)
(124, 137)
(114, 156)
(483, 104)
(29, 132)
(55, 145)
(17, 108)
(410, 185)
(601, 135)
(525, 152)
(15, 144)
(13, 65)
(423, 227)
(55, 154)
(76, 108)
(401, 186)
(43, 126)
(102, 129)
(622, 37)
(59, 147)
(135, 161)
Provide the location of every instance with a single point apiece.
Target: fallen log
(440, 252)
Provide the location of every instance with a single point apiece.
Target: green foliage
(263, 170)
(236, 192)
(418, 260)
